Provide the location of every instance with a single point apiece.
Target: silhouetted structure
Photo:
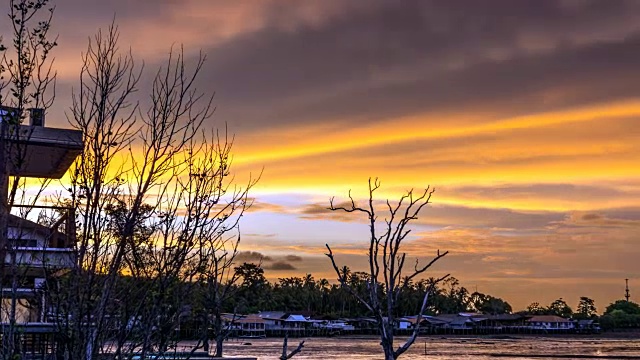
(626, 291)
(32, 253)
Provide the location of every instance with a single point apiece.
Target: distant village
(279, 323)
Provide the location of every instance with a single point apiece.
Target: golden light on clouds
(321, 140)
(528, 130)
(573, 145)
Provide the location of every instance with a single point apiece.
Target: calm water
(437, 348)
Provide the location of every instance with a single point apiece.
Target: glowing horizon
(528, 130)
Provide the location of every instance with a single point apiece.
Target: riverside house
(551, 322)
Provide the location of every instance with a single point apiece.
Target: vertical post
(4, 195)
(626, 291)
(7, 333)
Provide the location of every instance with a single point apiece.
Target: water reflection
(436, 348)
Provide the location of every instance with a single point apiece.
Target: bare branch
(385, 256)
(298, 349)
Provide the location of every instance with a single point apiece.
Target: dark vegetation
(324, 299)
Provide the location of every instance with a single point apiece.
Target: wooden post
(4, 195)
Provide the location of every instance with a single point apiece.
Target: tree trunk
(387, 340)
(89, 346)
(219, 341)
(388, 353)
(205, 333)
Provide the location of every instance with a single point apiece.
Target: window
(9, 114)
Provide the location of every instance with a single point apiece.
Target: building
(251, 327)
(33, 253)
(550, 322)
(278, 322)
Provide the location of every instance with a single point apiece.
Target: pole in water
(425, 348)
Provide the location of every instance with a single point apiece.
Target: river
(441, 348)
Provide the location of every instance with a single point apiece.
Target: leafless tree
(219, 240)
(386, 262)
(26, 81)
(294, 352)
(103, 110)
(157, 204)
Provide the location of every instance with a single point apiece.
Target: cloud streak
(522, 115)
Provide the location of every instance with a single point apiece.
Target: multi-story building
(32, 251)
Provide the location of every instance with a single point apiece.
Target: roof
(433, 320)
(364, 319)
(44, 152)
(506, 317)
(548, 318)
(272, 315)
(425, 318)
(461, 320)
(296, 318)
(251, 319)
(446, 317)
(470, 314)
(47, 233)
(230, 317)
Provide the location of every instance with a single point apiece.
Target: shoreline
(601, 336)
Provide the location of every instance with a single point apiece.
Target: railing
(50, 258)
(51, 226)
(40, 239)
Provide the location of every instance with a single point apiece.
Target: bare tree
(156, 204)
(103, 110)
(294, 352)
(26, 81)
(386, 263)
(219, 240)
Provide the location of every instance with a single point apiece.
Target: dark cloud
(316, 210)
(121, 10)
(265, 206)
(251, 256)
(599, 220)
(345, 60)
(280, 265)
(591, 216)
(293, 258)
(448, 215)
(403, 58)
(259, 235)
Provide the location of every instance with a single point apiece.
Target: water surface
(436, 348)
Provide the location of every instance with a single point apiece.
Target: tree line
(329, 300)
(324, 298)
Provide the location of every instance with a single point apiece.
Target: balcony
(44, 246)
(35, 150)
(36, 261)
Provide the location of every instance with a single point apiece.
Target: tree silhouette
(386, 276)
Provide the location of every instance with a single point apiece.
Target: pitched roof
(251, 319)
(25, 224)
(548, 318)
(295, 318)
(506, 317)
(272, 315)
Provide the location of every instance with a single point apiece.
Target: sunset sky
(524, 115)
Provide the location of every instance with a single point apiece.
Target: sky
(523, 115)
